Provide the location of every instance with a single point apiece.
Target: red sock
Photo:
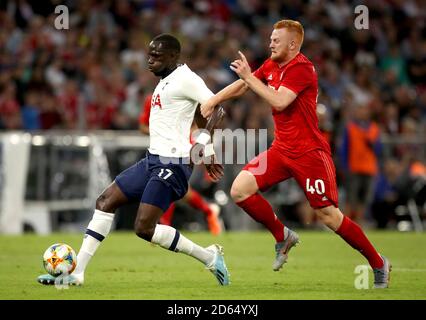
(356, 238)
(261, 211)
(197, 202)
(167, 216)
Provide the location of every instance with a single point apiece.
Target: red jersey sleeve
(298, 77)
(146, 111)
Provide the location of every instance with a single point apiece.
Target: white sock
(97, 230)
(169, 238)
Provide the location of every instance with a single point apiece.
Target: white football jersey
(173, 106)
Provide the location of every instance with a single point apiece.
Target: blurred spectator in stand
(21, 11)
(31, 112)
(359, 154)
(324, 123)
(416, 65)
(55, 77)
(133, 58)
(390, 119)
(100, 112)
(50, 113)
(10, 113)
(386, 195)
(69, 103)
(361, 88)
(396, 62)
(398, 185)
(411, 148)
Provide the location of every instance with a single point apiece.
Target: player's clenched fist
(207, 108)
(205, 154)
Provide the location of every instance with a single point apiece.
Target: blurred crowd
(94, 76)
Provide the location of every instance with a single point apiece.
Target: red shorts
(314, 172)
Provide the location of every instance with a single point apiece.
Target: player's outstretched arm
(278, 99)
(202, 151)
(234, 90)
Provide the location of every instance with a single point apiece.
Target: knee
(110, 199)
(144, 230)
(102, 204)
(244, 186)
(330, 216)
(238, 193)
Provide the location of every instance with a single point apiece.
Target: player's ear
(174, 56)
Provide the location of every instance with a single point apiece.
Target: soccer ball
(59, 259)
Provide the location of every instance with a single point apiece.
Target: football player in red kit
(287, 80)
(192, 197)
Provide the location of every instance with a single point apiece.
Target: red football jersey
(296, 127)
(144, 116)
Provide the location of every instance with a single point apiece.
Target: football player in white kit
(162, 176)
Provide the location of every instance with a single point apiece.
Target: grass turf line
(126, 267)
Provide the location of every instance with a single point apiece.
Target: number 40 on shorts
(318, 186)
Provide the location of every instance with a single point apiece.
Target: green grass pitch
(126, 267)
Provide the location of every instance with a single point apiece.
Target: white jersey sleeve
(196, 89)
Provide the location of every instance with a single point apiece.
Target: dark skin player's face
(161, 61)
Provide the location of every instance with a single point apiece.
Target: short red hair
(291, 25)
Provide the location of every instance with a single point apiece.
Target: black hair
(169, 41)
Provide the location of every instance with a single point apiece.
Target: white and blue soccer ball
(59, 259)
